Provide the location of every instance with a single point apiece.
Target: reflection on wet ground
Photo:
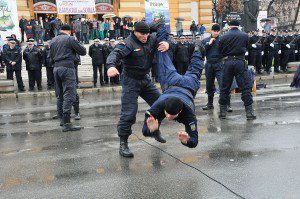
(39, 161)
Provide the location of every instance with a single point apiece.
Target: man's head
(112, 42)
(66, 29)
(12, 43)
(173, 107)
(256, 32)
(40, 45)
(234, 23)
(141, 31)
(215, 30)
(96, 42)
(30, 43)
(273, 32)
(182, 39)
(106, 41)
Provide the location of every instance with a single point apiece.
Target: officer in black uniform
(272, 45)
(62, 55)
(265, 50)
(289, 46)
(213, 66)
(233, 46)
(116, 79)
(97, 53)
(106, 51)
(49, 68)
(182, 56)
(136, 53)
(256, 50)
(33, 57)
(12, 57)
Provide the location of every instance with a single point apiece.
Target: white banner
(9, 22)
(76, 6)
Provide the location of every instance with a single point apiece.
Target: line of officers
(275, 49)
(37, 55)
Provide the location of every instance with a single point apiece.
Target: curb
(114, 89)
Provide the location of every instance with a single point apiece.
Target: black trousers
(105, 75)
(97, 68)
(238, 69)
(35, 76)
(50, 77)
(256, 59)
(131, 90)
(10, 75)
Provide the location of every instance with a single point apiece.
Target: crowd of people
(45, 29)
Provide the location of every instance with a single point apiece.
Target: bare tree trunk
(269, 7)
(296, 17)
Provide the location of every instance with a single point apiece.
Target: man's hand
(112, 72)
(183, 137)
(211, 41)
(163, 46)
(13, 63)
(152, 124)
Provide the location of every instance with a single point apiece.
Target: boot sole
(71, 130)
(126, 156)
(161, 141)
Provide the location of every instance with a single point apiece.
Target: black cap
(40, 44)
(257, 30)
(273, 30)
(141, 27)
(8, 37)
(216, 27)
(65, 27)
(234, 22)
(12, 41)
(173, 105)
(31, 40)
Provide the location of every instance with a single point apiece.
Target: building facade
(197, 10)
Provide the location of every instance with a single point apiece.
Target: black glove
(199, 47)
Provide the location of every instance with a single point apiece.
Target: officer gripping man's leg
(177, 100)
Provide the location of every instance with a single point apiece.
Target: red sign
(45, 7)
(104, 8)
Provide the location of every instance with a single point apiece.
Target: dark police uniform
(183, 87)
(233, 46)
(213, 68)
(49, 67)
(289, 47)
(13, 55)
(97, 53)
(63, 53)
(136, 63)
(255, 49)
(272, 46)
(182, 57)
(116, 79)
(34, 59)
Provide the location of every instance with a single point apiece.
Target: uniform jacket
(15, 55)
(182, 52)
(213, 53)
(33, 58)
(97, 53)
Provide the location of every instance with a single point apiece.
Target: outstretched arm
(190, 137)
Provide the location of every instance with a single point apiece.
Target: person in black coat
(49, 67)
(182, 54)
(97, 53)
(12, 58)
(22, 26)
(33, 57)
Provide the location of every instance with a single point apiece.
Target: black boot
(68, 126)
(209, 105)
(124, 149)
(223, 110)
(158, 137)
(249, 113)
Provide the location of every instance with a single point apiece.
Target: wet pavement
(253, 159)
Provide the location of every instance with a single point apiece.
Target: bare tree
(296, 16)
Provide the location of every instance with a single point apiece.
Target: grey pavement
(255, 159)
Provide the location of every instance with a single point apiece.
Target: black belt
(134, 76)
(241, 57)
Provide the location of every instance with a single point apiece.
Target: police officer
(213, 66)
(271, 43)
(177, 100)
(182, 55)
(136, 53)
(97, 53)
(12, 57)
(106, 50)
(33, 57)
(265, 50)
(49, 67)
(289, 46)
(256, 51)
(114, 80)
(62, 54)
(233, 46)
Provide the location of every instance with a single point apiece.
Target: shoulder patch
(192, 126)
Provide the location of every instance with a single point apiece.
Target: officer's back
(64, 49)
(234, 43)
